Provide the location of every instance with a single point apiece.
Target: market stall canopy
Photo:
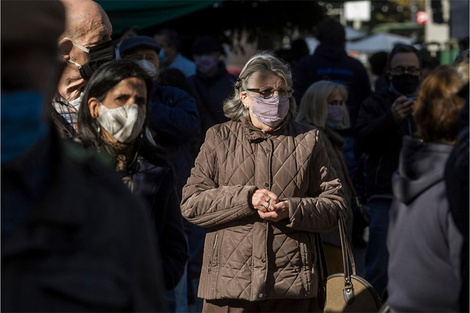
(142, 14)
(378, 42)
(354, 34)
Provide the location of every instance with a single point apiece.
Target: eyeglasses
(398, 70)
(269, 92)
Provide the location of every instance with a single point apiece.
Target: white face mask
(124, 123)
(76, 103)
(148, 67)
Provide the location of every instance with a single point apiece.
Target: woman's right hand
(264, 200)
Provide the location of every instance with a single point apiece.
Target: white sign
(357, 11)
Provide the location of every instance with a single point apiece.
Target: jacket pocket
(213, 253)
(311, 259)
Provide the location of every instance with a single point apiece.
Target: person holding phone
(384, 118)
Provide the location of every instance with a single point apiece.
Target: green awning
(143, 14)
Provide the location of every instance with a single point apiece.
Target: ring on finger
(266, 205)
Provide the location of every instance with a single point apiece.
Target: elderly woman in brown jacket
(264, 188)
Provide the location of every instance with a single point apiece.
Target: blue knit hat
(134, 42)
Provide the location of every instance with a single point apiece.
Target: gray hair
(261, 62)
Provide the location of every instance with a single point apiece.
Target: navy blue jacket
(330, 62)
(213, 91)
(155, 183)
(173, 115)
(175, 123)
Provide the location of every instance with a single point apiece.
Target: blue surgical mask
(24, 123)
(205, 63)
(161, 56)
(335, 114)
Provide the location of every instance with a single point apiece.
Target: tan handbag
(347, 292)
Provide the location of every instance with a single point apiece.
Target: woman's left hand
(280, 212)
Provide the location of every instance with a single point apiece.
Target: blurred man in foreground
(73, 237)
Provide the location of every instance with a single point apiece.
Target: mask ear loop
(79, 46)
(74, 63)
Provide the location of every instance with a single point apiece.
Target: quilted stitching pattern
(252, 258)
(235, 265)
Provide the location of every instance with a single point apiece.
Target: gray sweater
(423, 241)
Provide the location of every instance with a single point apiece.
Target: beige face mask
(124, 123)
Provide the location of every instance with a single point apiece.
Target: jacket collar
(253, 133)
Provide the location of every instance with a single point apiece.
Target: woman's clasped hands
(268, 205)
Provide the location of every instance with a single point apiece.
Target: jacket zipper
(269, 155)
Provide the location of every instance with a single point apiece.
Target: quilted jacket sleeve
(206, 204)
(319, 213)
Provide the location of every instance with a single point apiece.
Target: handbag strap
(348, 261)
(323, 272)
(348, 257)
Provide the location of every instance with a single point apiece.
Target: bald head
(86, 21)
(87, 25)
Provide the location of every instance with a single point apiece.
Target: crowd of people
(138, 179)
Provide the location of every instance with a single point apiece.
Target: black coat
(378, 135)
(213, 91)
(330, 62)
(85, 244)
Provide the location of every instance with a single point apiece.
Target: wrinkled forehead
(91, 28)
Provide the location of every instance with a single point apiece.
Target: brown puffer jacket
(246, 257)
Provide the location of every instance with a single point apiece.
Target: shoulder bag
(347, 292)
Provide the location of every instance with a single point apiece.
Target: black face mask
(406, 84)
(97, 56)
